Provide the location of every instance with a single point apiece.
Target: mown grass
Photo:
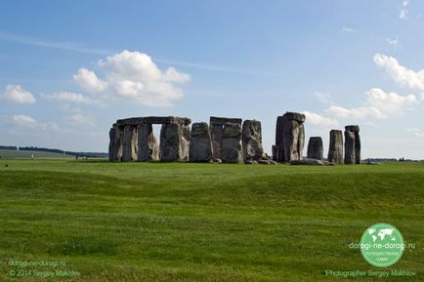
(203, 222)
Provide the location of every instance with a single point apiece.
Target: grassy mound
(202, 222)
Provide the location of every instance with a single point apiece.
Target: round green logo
(382, 245)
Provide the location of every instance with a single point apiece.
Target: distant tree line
(58, 151)
(8, 148)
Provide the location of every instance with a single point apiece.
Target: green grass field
(14, 154)
(202, 222)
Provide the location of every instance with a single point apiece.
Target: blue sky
(69, 69)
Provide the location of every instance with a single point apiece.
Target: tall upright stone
(174, 142)
(129, 145)
(200, 143)
(148, 148)
(216, 138)
(335, 150)
(216, 131)
(252, 139)
(231, 144)
(289, 137)
(115, 149)
(352, 145)
(315, 148)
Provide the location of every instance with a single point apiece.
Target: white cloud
(24, 120)
(89, 81)
(392, 42)
(404, 11)
(17, 94)
(378, 105)
(349, 30)
(320, 120)
(80, 119)
(69, 97)
(390, 103)
(324, 98)
(400, 74)
(135, 77)
(30, 122)
(416, 132)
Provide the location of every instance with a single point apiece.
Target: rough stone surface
(335, 150)
(315, 148)
(231, 144)
(200, 143)
(352, 145)
(148, 148)
(349, 147)
(114, 144)
(252, 139)
(289, 137)
(223, 120)
(153, 120)
(174, 142)
(216, 137)
(129, 143)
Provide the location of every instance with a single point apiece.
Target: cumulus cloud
(133, 76)
(17, 94)
(80, 119)
(89, 81)
(378, 105)
(402, 75)
(69, 97)
(320, 120)
(30, 122)
(416, 132)
(404, 11)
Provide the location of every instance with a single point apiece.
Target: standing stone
(352, 145)
(129, 149)
(335, 150)
(231, 144)
(148, 148)
(200, 143)
(216, 137)
(290, 137)
(252, 139)
(315, 148)
(174, 142)
(185, 138)
(115, 148)
(216, 130)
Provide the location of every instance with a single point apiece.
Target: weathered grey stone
(153, 120)
(335, 150)
(115, 145)
(252, 139)
(290, 137)
(307, 161)
(148, 148)
(174, 142)
(315, 148)
(231, 144)
(200, 143)
(216, 137)
(349, 147)
(357, 147)
(223, 120)
(352, 145)
(129, 146)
